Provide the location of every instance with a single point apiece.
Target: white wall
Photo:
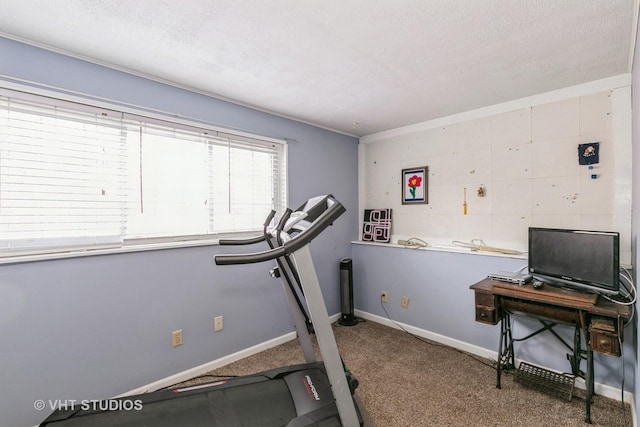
(525, 156)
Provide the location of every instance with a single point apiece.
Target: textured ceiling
(356, 66)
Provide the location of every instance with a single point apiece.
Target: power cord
(414, 243)
(624, 412)
(435, 344)
(480, 245)
(630, 295)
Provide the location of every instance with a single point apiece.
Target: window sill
(83, 252)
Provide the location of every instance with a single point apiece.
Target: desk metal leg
(575, 359)
(505, 348)
(589, 381)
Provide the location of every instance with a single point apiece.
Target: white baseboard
(209, 366)
(215, 364)
(599, 389)
(460, 345)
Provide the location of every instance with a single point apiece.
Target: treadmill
(316, 393)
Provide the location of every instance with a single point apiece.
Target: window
(78, 176)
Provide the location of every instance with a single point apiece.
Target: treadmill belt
(262, 404)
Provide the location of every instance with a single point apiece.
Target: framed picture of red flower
(414, 185)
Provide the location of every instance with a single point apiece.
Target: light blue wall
(95, 327)
(437, 284)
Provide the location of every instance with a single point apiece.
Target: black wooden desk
(601, 322)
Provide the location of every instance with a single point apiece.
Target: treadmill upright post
(326, 340)
(301, 328)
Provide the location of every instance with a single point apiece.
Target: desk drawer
(486, 315)
(486, 300)
(604, 342)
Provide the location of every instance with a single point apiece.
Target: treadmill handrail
(289, 247)
(249, 240)
(284, 219)
(241, 242)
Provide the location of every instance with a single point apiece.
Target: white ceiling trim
(151, 78)
(609, 83)
(31, 88)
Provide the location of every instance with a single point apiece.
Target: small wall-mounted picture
(414, 185)
(377, 225)
(589, 154)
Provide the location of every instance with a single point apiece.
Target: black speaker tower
(347, 318)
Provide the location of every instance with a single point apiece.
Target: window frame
(127, 112)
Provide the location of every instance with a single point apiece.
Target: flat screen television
(581, 260)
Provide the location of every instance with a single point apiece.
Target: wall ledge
(441, 248)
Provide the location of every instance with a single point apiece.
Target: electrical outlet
(176, 338)
(218, 323)
(405, 302)
(383, 296)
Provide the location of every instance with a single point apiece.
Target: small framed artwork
(415, 186)
(377, 225)
(589, 154)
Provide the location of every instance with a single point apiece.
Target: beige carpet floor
(407, 382)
